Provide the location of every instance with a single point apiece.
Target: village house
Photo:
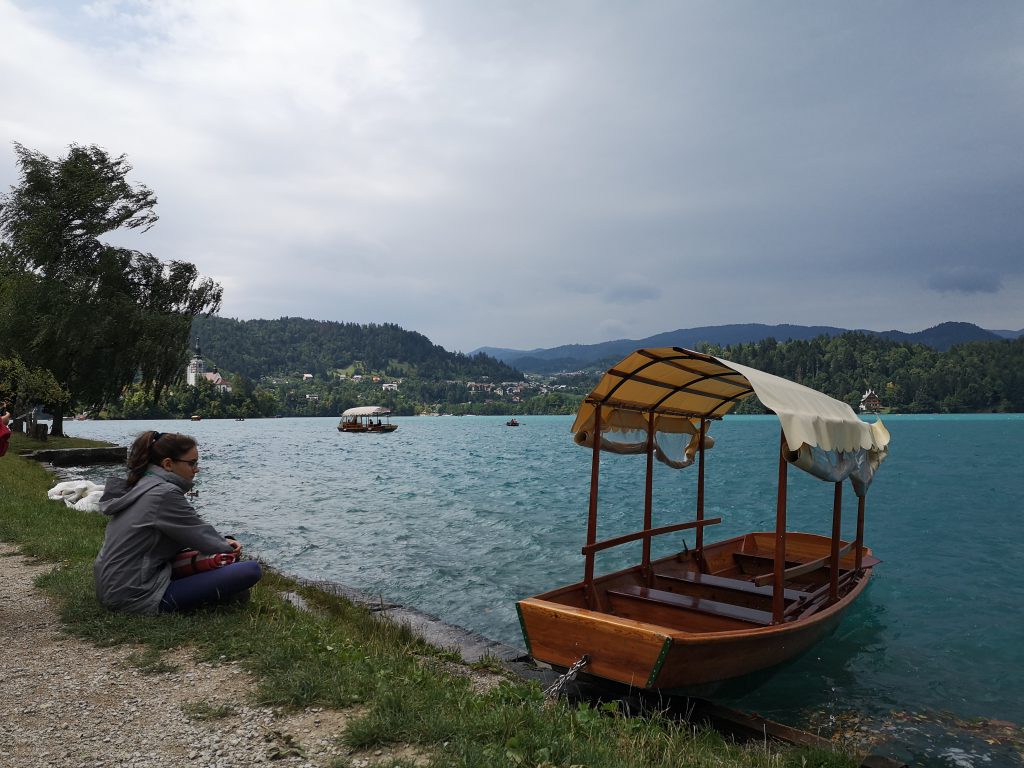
(217, 380)
(870, 402)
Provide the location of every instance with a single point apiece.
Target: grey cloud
(632, 294)
(965, 280)
(731, 161)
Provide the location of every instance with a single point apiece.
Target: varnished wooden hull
(649, 644)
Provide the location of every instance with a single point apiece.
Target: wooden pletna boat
(719, 612)
(366, 418)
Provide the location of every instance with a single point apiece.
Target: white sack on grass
(90, 502)
(75, 492)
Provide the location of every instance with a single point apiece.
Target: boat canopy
(366, 410)
(679, 388)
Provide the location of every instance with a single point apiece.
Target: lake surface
(462, 516)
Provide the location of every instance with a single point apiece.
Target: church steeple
(196, 367)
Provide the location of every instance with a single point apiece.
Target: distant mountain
(570, 356)
(945, 335)
(1010, 334)
(578, 356)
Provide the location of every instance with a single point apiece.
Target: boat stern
(626, 651)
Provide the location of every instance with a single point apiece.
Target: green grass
(21, 444)
(340, 654)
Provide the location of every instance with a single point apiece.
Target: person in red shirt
(5, 431)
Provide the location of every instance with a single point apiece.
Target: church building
(196, 371)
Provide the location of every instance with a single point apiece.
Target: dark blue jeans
(216, 586)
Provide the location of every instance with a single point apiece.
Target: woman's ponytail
(152, 447)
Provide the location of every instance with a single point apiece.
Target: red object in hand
(189, 562)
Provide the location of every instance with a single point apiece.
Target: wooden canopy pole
(833, 563)
(595, 469)
(648, 499)
(859, 543)
(700, 495)
(778, 589)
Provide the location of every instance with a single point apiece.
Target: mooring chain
(556, 688)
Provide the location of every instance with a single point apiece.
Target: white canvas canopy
(366, 410)
(681, 387)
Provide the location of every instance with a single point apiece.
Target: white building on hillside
(217, 380)
(196, 367)
(196, 371)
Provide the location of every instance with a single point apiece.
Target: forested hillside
(909, 378)
(293, 345)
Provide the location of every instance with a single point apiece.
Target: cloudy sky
(528, 174)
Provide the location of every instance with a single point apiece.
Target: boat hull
(363, 429)
(659, 647)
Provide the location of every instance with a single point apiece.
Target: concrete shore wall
(77, 457)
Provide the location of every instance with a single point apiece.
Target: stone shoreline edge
(472, 646)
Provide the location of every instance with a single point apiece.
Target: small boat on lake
(366, 418)
(715, 612)
(511, 423)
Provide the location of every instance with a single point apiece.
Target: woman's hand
(236, 545)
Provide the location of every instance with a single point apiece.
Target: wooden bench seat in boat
(702, 614)
(760, 566)
(725, 583)
(755, 564)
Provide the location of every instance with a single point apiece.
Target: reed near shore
(396, 689)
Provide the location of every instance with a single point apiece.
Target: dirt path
(65, 702)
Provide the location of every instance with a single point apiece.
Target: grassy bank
(342, 656)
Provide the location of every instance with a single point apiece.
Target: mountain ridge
(573, 356)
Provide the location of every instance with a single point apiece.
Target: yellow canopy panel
(678, 383)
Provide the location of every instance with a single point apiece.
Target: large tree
(96, 315)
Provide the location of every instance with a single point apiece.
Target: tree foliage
(97, 316)
(910, 378)
(23, 387)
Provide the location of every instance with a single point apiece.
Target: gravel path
(66, 702)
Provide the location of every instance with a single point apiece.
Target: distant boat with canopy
(713, 613)
(367, 418)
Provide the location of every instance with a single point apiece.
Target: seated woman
(151, 522)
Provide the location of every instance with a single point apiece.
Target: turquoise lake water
(461, 517)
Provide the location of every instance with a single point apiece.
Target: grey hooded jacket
(150, 521)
